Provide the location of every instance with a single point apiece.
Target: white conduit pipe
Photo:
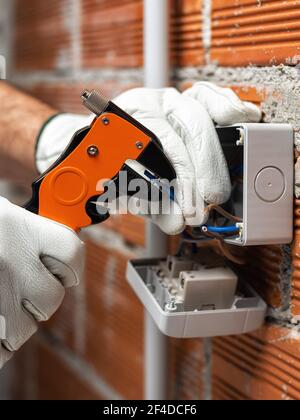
(157, 73)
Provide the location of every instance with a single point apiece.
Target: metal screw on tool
(93, 151)
(139, 145)
(105, 121)
(94, 102)
(85, 94)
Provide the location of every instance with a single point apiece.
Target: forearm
(21, 119)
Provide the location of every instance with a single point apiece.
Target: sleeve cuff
(55, 135)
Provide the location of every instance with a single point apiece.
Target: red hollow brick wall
(94, 344)
(255, 32)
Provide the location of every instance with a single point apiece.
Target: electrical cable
(217, 232)
(225, 229)
(191, 240)
(224, 248)
(228, 254)
(223, 212)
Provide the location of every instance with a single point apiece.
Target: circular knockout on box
(270, 184)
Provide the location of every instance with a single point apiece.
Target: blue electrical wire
(226, 229)
(156, 181)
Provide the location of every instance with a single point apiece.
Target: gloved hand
(38, 260)
(184, 123)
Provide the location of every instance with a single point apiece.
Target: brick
(103, 324)
(133, 231)
(24, 372)
(113, 339)
(63, 325)
(254, 32)
(259, 366)
(245, 93)
(41, 40)
(250, 94)
(69, 386)
(263, 271)
(187, 362)
(186, 33)
(296, 263)
(111, 334)
(114, 323)
(65, 96)
(46, 376)
(113, 33)
(132, 228)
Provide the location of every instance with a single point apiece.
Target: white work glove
(184, 123)
(38, 260)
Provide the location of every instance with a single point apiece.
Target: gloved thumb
(223, 105)
(62, 253)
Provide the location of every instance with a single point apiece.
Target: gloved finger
(62, 252)
(177, 154)
(167, 215)
(196, 129)
(5, 355)
(20, 325)
(172, 222)
(223, 105)
(142, 101)
(44, 294)
(147, 106)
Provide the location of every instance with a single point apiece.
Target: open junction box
(189, 299)
(201, 295)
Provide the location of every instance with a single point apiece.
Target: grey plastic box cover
(248, 317)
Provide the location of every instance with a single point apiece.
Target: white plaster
(125, 76)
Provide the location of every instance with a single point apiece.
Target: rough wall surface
(95, 342)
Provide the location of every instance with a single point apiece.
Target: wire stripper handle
(95, 155)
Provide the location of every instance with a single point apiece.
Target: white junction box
(189, 299)
(266, 161)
